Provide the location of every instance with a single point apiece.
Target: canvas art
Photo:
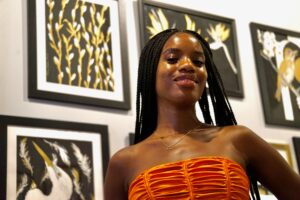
(54, 163)
(284, 150)
(277, 55)
(296, 144)
(75, 52)
(218, 31)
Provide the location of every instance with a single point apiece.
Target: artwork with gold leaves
(218, 31)
(53, 163)
(277, 55)
(296, 145)
(284, 150)
(78, 50)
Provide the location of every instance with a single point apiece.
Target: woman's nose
(187, 66)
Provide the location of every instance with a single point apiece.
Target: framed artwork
(52, 159)
(284, 150)
(131, 138)
(277, 56)
(76, 52)
(219, 31)
(296, 144)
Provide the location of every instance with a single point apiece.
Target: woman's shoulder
(241, 136)
(246, 141)
(123, 155)
(237, 132)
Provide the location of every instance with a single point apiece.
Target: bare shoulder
(245, 141)
(239, 133)
(265, 162)
(123, 157)
(116, 178)
(238, 130)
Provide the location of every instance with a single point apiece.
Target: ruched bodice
(196, 178)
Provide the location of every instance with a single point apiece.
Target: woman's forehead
(182, 39)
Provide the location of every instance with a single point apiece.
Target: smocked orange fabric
(209, 178)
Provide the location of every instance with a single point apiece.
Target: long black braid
(222, 109)
(146, 103)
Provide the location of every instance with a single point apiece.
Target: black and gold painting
(296, 145)
(218, 31)
(277, 56)
(77, 52)
(50, 160)
(284, 150)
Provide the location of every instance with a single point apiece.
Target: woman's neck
(172, 119)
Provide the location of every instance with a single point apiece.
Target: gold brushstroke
(190, 24)
(219, 32)
(43, 155)
(85, 38)
(159, 22)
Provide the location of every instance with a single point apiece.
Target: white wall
(13, 66)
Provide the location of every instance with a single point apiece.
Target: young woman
(178, 157)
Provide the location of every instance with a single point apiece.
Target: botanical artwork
(79, 44)
(218, 33)
(75, 52)
(52, 168)
(278, 64)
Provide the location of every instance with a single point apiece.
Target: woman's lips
(186, 81)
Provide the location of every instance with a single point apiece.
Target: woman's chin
(186, 99)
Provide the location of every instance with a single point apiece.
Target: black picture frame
(225, 53)
(77, 52)
(131, 138)
(74, 149)
(277, 52)
(284, 149)
(296, 144)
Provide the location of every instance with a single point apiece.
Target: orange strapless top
(208, 178)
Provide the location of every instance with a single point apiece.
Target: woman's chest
(156, 154)
(204, 177)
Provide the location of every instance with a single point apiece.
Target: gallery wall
(249, 112)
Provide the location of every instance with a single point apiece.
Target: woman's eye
(199, 63)
(172, 60)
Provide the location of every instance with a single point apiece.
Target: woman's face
(181, 74)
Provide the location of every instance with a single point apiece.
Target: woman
(178, 157)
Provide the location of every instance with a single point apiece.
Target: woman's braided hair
(146, 103)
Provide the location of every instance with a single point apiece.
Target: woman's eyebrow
(172, 50)
(175, 50)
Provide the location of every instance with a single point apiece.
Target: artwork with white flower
(277, 54)
(78, 52)
(219, 32)
(45, 159)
